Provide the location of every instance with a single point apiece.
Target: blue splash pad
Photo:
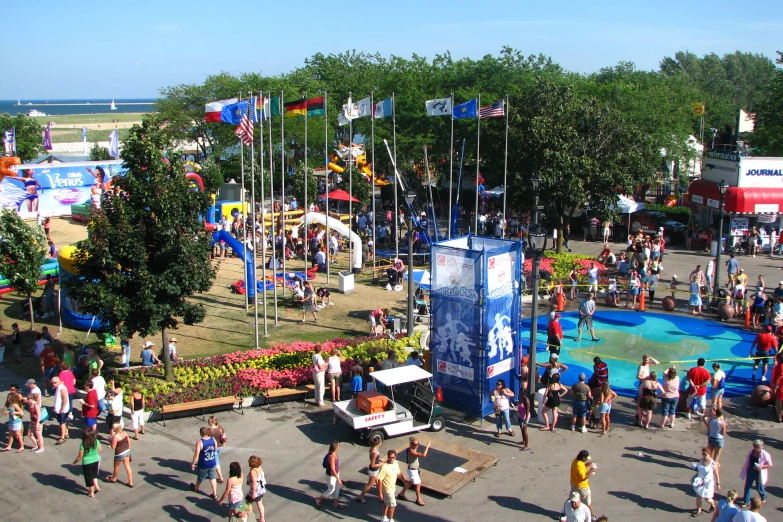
(626, 335)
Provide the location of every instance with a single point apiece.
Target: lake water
(56, 107)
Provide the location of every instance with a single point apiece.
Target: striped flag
(496, 110)
(244, 130)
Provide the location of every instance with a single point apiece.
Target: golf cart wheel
(375, 438)
(437, 424)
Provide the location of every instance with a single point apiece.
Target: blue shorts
(62, 418)
(580, 409)
(715, 442)
(91, 421)
(717, 393)
(634, 291)
(206, 473)
(605, 408)
(669, 405)
(49, 373)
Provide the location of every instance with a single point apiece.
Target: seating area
(201, 406)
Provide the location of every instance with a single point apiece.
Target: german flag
(312, 107)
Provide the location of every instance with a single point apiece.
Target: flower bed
(560, 265)
(250, 372)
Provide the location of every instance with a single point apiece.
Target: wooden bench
(168, 409)
(282, 393)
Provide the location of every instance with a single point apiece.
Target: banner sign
(474, 327)
(51, 188)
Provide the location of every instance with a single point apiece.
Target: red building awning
(739, 200)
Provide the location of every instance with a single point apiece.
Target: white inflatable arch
(339, 226)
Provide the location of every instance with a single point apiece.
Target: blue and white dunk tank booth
(475, 311)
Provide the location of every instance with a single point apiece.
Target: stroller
(394, 279)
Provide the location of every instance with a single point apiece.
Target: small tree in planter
(22, 251)
(147, 251)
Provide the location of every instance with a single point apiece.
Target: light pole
(723, 188)
(409, 197)
(537, 236)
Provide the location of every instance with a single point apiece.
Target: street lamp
(537, 239)
(409, 197)
(723, 188)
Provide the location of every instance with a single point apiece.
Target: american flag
(244, 130)
(496, 110)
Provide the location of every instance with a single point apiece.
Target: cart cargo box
(372, 402)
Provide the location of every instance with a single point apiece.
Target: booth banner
(51, 189)
(454, 275)
(501, 312)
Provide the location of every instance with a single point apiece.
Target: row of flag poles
(246, 113)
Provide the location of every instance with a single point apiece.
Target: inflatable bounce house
(339, 160)
(48, 267)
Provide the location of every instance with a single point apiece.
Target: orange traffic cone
(560, 299)
(439, 394)
(641, 298)
(747, 317)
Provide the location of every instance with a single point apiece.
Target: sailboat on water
(113, 107)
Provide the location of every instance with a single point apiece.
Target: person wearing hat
(765, 343)
(778, 292)
(582, 395)
(147, 356)
(581, 469)
(554, 335)
(173, 349)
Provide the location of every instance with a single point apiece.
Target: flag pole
(350, 184)
(396, 227)
(451, 163)
(326, 210)
(372, 173)
(478, 162)
(242, 212)
(505, 169)
(282, 183)
(306, 206)
(253, 222)
(272, 201)
(255, 219)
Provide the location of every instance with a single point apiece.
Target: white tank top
(58, 400)
(334, 365)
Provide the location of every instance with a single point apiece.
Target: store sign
(740, 223)
(761, 172)
(456, 370)
(767, 218)
(697, 199)
(714, 203)
(728, 155)
(766, 208)
(500, 368)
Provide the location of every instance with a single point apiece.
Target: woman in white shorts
(414, 472)
(334, 372)
(137, 409)
(372, 470)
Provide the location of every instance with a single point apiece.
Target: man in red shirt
(699, 377)
(90, 406)
(555, 335)
(766, 344)
(777, 387)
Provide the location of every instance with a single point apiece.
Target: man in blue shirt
(732, 267)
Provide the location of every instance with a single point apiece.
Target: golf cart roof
(400, 375)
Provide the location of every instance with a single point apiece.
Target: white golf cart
(411, 406)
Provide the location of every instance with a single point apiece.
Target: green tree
(768, 136)
(98, 153)
(583, 152)
(22, 251)
(147, 252)
(29, 135)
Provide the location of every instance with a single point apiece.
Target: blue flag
(84, 134)
(233, 113)
(114, 145)
(469, 109)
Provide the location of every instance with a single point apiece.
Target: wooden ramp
(447, 467)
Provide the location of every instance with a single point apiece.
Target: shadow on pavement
(647, 459)
(517, 505)
(59, 482)
(752, 435)
(207, 504)
(661, 453)
(685, 488)
(646, 502)
(163, 480)
(181, 514)
(175, 464)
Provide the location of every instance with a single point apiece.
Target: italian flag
(213, 109)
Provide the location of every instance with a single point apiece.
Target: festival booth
(474, 318)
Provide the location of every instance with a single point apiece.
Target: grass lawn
(227, 327)
(82, 119)
(66, 136)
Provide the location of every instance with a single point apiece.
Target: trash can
(345, 282)
(714, 247)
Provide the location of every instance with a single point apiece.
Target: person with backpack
(331, 464)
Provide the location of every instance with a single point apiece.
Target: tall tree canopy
(147, 252)
(768, 136)
(29, 135)
(22, 251)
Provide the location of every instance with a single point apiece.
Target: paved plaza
(641, 473)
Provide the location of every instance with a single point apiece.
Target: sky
(93, 49)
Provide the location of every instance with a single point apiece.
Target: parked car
(649, 222)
